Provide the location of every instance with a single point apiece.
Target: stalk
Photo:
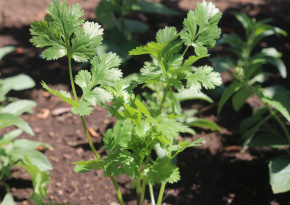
(144, 183)
(139, 191)
(118, 192)
(151, 194)
(161, 192)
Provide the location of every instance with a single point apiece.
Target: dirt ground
(216, 173)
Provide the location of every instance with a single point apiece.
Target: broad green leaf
(241, 96)
(188, 94)
(7, 119)
(279, 170)
(5, 50)
(271, 91)
(86, 166)
(234, 87)
(132, 114)
(19, 107)
(29, 144)
(36, 157)
(134, 26)
(83, 79)
(271, 139)
(202, 123)
(40, 181)
(8, 199)
(18, 82)
(104, 14)
(244, 20)
(65, 96)
(5, 139)
(153, 7)
(203, 77)
(277, 105)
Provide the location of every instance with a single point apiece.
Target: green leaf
(203, 77)
(241, 96)
(98, 96)
(104, 69)
(104, 13)
(61, 33)
(5, 50)
(277, 105)
(18, 82)
(132, 114)
(141, 107)
(134, 26)
(7, 119)
(166, 34)
(19, 107)
(183, 145)
(36, 157)
(279, 170)
(202, 123)
(29, 144)
(65, 96)
(162, 171)
(40, 181)
(5, 139)
(151, 48)
(153, 7)
(8, 199)
(188, 94)
(234, 87)
(271, 139)
(191, 60)
(86, 166)
(82, 108)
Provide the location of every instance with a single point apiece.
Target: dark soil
(216, 173)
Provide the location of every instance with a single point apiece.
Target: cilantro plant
(140, 130)
(20, 152)
(266, 127)
(113, 14)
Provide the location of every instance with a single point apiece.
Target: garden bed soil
(215, 173)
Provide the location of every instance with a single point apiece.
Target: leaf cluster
(21, 152)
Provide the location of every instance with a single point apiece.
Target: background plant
(20, 152)
(266, 127)
(113, 14)
(139, 129)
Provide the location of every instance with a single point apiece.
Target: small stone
(60, 192)
(51, 134)
(66, 156)
(58, 184)
(79, 151)
(45, 94)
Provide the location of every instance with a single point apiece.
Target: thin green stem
(185, 50)
(118, 191)
(89, 139)
(71, 79)
(163, 99)
(138, 191)
(280, 122)
(119, 194)
(161, 192)
(144, 183)
(151, 194)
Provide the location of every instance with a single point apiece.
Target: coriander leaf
(83, 79)
(166, 34)
(203, 77)
(151, 48)
(104, 69)
(98, 96)
(162, 171)
(65, 96)
(82, 108)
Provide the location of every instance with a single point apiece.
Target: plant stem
(161, 192)
(280, 122)
(118, 191)
(138, 191)
(71, 79)
(119, 194)
(144, 183)
(151, 194)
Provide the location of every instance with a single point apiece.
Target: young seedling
(259, 130)
(140, 129)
